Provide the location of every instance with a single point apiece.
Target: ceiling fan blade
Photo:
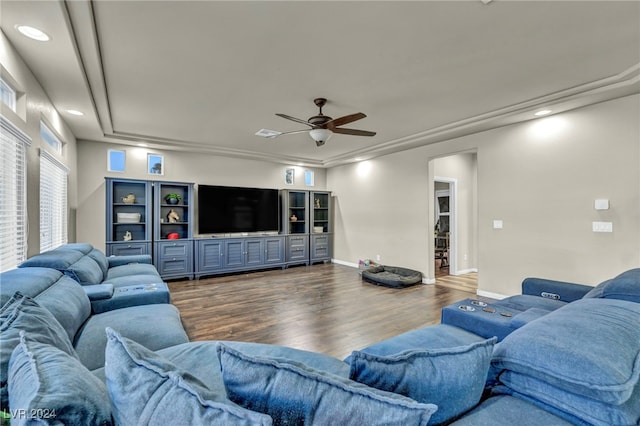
(340, 121)
(294, 132)
(297, 120)
(353, 132)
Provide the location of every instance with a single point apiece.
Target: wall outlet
(377, 257)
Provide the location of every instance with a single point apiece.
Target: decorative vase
(172, 201)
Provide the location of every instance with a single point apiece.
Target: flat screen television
(227, 209)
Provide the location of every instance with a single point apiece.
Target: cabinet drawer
(128, 249)
(181, 248)
(297, 241)
(177, 265)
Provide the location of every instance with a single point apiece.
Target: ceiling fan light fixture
(320, 135)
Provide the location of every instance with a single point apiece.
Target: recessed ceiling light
(33, 33)
(75, 112)
(542, 112)
(144, 145)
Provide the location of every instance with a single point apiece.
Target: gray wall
(540, 177)
(33, 107)
(178, 166)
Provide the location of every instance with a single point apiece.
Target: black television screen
(226, 209)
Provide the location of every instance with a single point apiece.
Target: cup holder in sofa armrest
(98, 291)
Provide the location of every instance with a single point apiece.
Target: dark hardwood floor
(323, 308)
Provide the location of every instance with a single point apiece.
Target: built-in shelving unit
(295, 225)
(173, 229)
(128, 217)
(139, 222)
(320, 249)
(142, 218)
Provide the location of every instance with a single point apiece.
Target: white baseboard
(465, 271)
(491, 295)
(345, 263)
(428, 280)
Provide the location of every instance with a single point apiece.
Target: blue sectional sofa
(89, 266)
(579, 364)
(539, 297)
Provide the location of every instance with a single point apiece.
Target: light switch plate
(602, 226)
(497, 224)
(601, 204)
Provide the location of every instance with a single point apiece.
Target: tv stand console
(222, 255)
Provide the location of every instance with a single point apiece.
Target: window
(116, 160)
(53, 202)
(13, 217)
(8, 95)
(50, 138)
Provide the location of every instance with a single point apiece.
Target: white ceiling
(204, 76)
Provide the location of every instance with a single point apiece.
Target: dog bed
(392, 276)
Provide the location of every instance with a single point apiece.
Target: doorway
(454, 176)
(444, 228)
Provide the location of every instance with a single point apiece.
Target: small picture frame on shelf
(155, 164)
(289, 175)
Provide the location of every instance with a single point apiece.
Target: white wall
(34, 107)
(178, 166)
(540, 179)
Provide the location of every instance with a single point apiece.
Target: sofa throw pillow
(452, 378)
(625, 286)
(51, 386)
(295, 394)
(591, 347)
(147, 389)
(22, 313)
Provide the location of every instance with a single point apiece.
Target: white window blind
(13, 208)
(53, 202)
(8, 95)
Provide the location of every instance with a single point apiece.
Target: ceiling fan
(322, 126)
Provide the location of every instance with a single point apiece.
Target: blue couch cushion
(84, 248)
(292, 393)
(522, 302)
(60, 295)
(153, 326)
(54, 387)
(507, 410)
(451, 378)
(101, 260)
(625, 286)
(134, 280)
(577, 406)
(147, 389)
(131, 269)
(55, 259)
(86, 271)
(21, 313)
(573, 349)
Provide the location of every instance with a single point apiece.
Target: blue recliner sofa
(576, 365)
(539, 297)
(109, 282)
